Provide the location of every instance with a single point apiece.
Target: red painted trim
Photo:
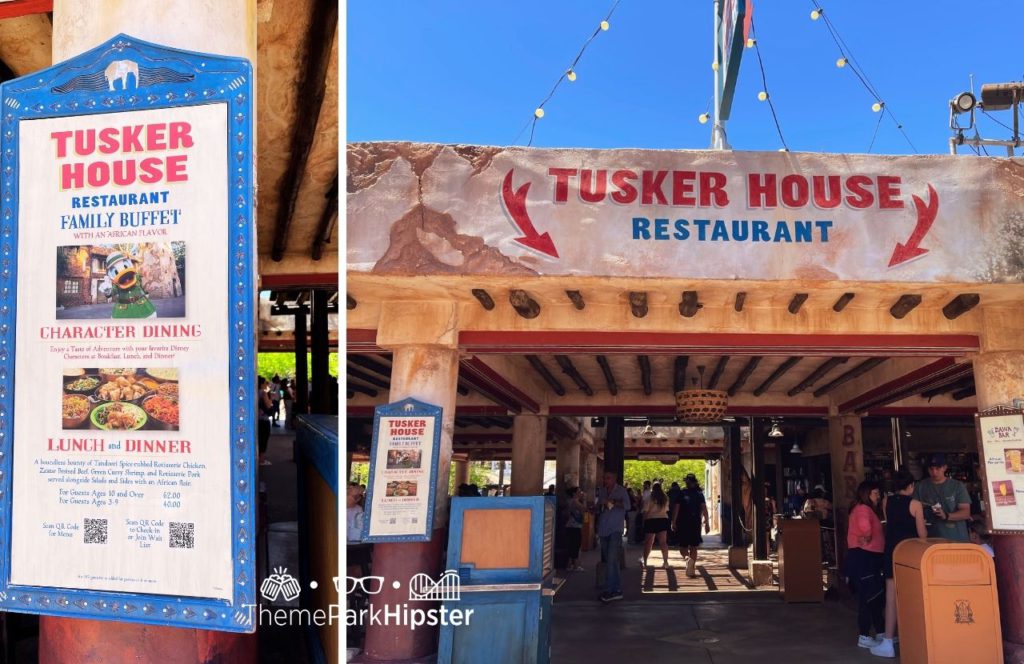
(297, 280)
(910, 411)
(471, 438)
(24, 8)
(654, 410)
(460, 411)
(478, 375)
(914, 382)
(359, 411)
(361, 341)
(667, 343)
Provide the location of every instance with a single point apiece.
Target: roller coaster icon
(447, 588)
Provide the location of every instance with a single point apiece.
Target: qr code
(95, 531)
(182, 535)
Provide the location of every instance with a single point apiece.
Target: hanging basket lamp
(701, 406)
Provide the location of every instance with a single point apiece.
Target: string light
(714, 66)
(816, 14)
(877, 106)
(762, 96)
(703, 118)
(841, 62)
(751, 42)
(568, 74)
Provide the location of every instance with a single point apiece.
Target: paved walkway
(716, 618)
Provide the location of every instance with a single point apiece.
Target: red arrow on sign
(515, 203)
(925, 218)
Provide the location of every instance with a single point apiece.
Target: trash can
(946, 602)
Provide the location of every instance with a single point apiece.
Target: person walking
(275, 398)
(947, 502)
(612, 504)
(904, 519)
(656, 523)
(264, 408)
(288, 396)
(573, 523)
(864, 559)
(686, 519)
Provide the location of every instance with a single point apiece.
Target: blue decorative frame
(404, 408)
(166, 78)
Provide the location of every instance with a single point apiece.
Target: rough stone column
(567, 465)
(461, 473)
(529, 439)
(425, 365)
(846, 448)
(588, 471)
(999, 378)
(224, 27)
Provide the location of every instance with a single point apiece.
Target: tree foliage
(637, 472)
(283, 364)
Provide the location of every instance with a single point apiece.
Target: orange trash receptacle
(946, 603)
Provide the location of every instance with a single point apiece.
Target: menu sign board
(403, 472)
(1002, 446)
(127, 382)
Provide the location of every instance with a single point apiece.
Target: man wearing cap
(686, 518)
(611, 507)
(946, 502)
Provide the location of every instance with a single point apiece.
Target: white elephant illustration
(119, 70)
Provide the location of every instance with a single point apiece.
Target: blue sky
(473, 71)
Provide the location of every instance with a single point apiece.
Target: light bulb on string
(762, 96)
(877, 106)
(571, 75)
(703, 118)
(841, 62)
(714, 66)
(751, 42)
(539, 113)
(816, 14)
(605, 25)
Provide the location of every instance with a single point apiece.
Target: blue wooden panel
(501, 630)
(317, 438)
(469, 575)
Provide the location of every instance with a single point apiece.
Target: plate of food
(123, 388)
(163, 374)
(162, 411)
(113, 374)
(118, 416)
(82, 385)
(74, 409)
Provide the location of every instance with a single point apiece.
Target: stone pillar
(846, 449)
(615, 448)
(567, 465)
(461, 473)
(999, 378)
(529, 440)
(738, 548)
(226, 27)
(425, 365)
(588, 471)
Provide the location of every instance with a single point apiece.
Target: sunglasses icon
(371, 585)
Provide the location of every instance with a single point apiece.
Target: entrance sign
(448, 210)
(403, 472)
(1001, 434)
(127, 359)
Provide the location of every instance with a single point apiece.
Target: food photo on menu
(1013, 460)
(403, 459)
(120, 399)
(400, 489)
(129, 280)
(1003, 491)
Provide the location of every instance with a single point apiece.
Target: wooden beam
(461, 422)
(797, 302)
(645, 373)
(904, 305)
(500, 422)
(744, 375)
(328, 219)
(350, 302)
(679, 373)
(717, 373)
(323, 25)
(569, 370)
(783, 368)
(484, 298)
(741, 298)
(689, 306)
(965, 393)
(461, 389)
(539, 367)
(356, 387)
(609, 378)
(822, 369)
(371, 364)
(367, 378)
(859, 370)
(951, 386)
(577, 299)
(638, 303)
(841, 303)
(960, 305)
(524, 305)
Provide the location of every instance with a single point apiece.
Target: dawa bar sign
(440, 209)
(127, 359)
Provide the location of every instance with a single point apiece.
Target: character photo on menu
(139, 280)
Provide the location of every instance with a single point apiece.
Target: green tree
(637, 472)
(283, 364)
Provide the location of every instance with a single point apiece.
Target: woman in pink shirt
(864, 557)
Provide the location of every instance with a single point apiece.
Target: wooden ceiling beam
(690, 305)
(783, 368)
(484, 298)
(741, 298)
(356, 387)
(539, 367)
(717, 373)
(577, 299)
(645, 372)
(859, 370)
(841, 303)
(904, 306)
(960, 305)
(367, 378)
(950, 386)
(744, 375)
(679, 373)
(328, 219)
(822, 369)
(373, 365)
(570, 370)
(312, 87)
(797, 302)
(965, 393)
(609, 377)
(524, 305)
(638, 303)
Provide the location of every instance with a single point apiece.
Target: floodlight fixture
(963, 103)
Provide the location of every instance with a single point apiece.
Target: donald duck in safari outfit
(124, 283)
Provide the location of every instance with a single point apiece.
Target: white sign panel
(1002, 446)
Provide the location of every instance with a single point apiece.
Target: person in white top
(353, 514)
